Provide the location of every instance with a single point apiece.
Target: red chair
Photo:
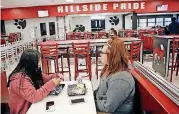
(3, 41)
(87, 35)
(64, 51)
(77, 35)
(49, 53)
(101, 34)
(129, 33)
(70, 36)
(82, 50)
(135, 51)
(175, 57)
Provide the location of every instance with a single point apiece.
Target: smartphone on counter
(75, 101)
(50, 106)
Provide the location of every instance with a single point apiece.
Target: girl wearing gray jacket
(117, 87)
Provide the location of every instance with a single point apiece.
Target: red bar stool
(49, 53)
(70, 36)
(77, 35)
(82, 50)
(175, 57)
(64, 51)
(135, 51)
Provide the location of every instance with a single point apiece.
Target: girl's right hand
(56, 81)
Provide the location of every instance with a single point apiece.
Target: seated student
(27, 84)
(117, 87)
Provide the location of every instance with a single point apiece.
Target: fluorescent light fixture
(97, 17)
(69, 0)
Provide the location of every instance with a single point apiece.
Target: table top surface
(167, 36)
(65, 42)
(62, 102)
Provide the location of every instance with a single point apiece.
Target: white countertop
(62, 102)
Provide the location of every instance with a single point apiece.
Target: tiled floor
(95, 81)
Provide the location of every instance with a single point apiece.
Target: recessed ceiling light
(69, 0)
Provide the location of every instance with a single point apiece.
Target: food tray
(77, 89)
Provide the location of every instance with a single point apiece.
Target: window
(167, 21)
(142, 22)
(154, 20)
(159, 21)
(52, 28)
(43, 29)
(151, 22)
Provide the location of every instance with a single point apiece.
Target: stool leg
(62, 64)
(172, 67)
(68, 61)
(47, 67)
(76, 67)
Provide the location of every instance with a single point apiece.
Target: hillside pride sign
(101, 7)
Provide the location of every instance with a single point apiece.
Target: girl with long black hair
(27, 84)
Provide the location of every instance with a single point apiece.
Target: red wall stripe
(32, 12)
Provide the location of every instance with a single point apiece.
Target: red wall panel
(31, 12)
(152, 99)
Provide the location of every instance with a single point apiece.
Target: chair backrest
(135, 51)
(4, 89)
(69, 36)
(81, 48)
(3, 41)
(50, 49)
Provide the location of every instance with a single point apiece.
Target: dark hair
(28, 65)
(173, 19)
(114, 31)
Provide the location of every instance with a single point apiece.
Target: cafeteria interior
(69, 36)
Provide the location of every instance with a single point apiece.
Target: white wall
(108, 24)
(82, 20)
(30, 23)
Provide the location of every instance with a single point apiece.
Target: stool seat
(53, 57)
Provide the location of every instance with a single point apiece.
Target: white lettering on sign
(142, 5)
(105, 7)
(135, 5)
(66, 8)
(129, 5)
(91, 7)
(97, 7)
(85, 8)
(115, 6)
(123, 5)
(60, 9)
(78, 8)
(71, 8)
(101, 7)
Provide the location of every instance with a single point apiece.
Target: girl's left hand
(60, 76)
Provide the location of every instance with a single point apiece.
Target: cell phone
(74, 101)
(50, 106)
